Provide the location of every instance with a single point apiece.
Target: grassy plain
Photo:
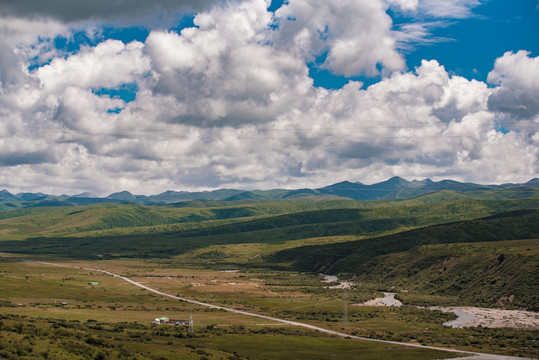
(112, 319)
(31, 290)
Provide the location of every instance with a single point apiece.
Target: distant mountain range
(391, 189)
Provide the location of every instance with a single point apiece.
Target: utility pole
(191, 322)
(345, 311)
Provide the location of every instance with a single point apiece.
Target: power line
(170, 134)
(214, 129)
(345, 311)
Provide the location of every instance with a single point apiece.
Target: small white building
(161, 320)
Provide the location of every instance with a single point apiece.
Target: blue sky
(471, 45)
(474, 43)
(193, 95)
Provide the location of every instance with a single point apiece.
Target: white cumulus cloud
(108, 65)
(222, 72)
(517, 75)
(355, 35)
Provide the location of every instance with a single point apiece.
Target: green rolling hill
(428, 244)
(481, 262)
(350, 257)
(143, 229)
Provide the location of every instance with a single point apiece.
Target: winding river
(466, 316)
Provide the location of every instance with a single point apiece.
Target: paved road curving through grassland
(476, 355)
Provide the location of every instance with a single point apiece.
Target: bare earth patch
(387, 300)
(333, 278)
(342, 285)
(473, 316)
(494, 318)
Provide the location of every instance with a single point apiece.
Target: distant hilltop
(391, 189)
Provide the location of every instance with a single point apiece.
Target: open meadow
(54, 312)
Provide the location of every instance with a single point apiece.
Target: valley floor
(298, 324)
